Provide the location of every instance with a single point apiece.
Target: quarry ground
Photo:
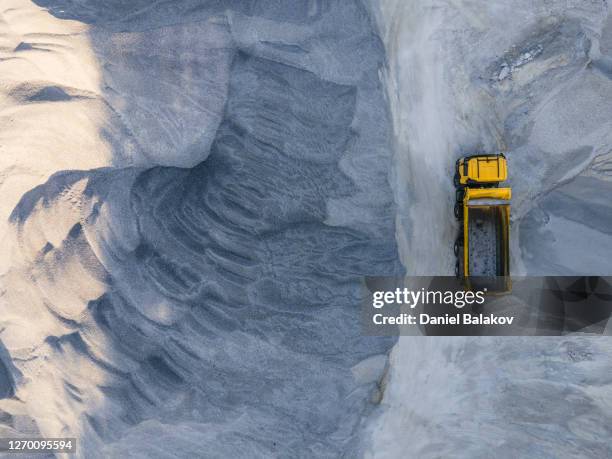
(192, 193)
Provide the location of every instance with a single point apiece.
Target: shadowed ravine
(216, 308)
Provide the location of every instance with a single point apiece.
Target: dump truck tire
(456, 180)
(458, 210)
(457, 270)
(457, 247)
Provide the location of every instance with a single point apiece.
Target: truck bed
(483, 240)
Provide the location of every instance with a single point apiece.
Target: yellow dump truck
(483, 209)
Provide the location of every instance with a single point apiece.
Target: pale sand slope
(210, 307)
(50, 116)
(531, 79)
(50, 112)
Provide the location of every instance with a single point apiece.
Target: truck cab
(481, 170)
(483, 210)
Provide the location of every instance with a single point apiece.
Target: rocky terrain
(531, 79)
